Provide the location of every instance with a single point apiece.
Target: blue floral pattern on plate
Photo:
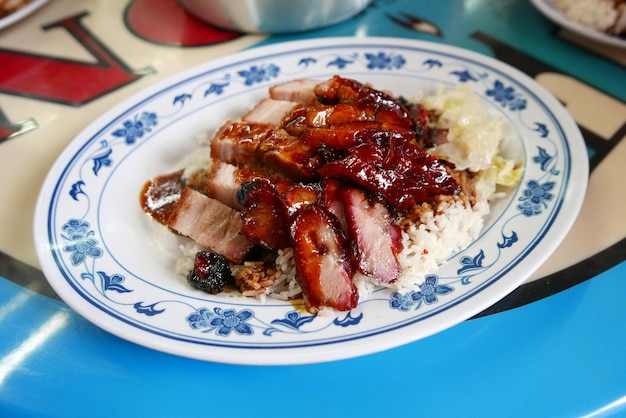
(99, 240)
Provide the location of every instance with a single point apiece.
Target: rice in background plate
(602, 15)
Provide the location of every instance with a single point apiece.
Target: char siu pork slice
(300, 91)
(332, 199)
(383, 106)
(348, 135)
(268, 209)
(211, 224)
(237, 142)
(402, 173)
(265, 218)
(377, 239)
(300, 195)
(361, 111)
(271, 112)
(324, 268)
(340, 90)
(330, 115)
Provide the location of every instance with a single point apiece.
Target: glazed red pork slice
(300, 91)
(265, 219)
(377, 239)
(375, 104)
(300, 195)
(271, 112)
(211, 224)
(351, 134)
(269, 208)
(324, 269)
(332, 200)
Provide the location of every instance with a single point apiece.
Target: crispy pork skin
(211, 224)
(159, 195)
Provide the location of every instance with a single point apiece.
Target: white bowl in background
(273, 16)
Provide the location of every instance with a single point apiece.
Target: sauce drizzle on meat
(160, 194)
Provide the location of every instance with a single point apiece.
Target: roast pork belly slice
(286, 154)
(271, 112)
(237, 142)
(377, 239)
(211, 224)
(224, 182)
(265, 150)
(300, 91)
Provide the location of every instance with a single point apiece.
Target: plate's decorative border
(75, 239)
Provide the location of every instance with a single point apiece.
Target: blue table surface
(560, 355)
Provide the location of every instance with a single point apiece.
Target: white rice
(599, 15)
(285, 286)
(437, 237)
(185, 263)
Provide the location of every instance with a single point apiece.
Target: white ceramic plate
(551, 12)
(108, 260)
(21, 13)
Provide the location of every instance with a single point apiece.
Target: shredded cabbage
(474, 138)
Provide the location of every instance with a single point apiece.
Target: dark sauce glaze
(159, 195)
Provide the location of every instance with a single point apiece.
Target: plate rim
(287, 355)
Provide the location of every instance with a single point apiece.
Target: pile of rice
(433, 231)
(602, 15)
